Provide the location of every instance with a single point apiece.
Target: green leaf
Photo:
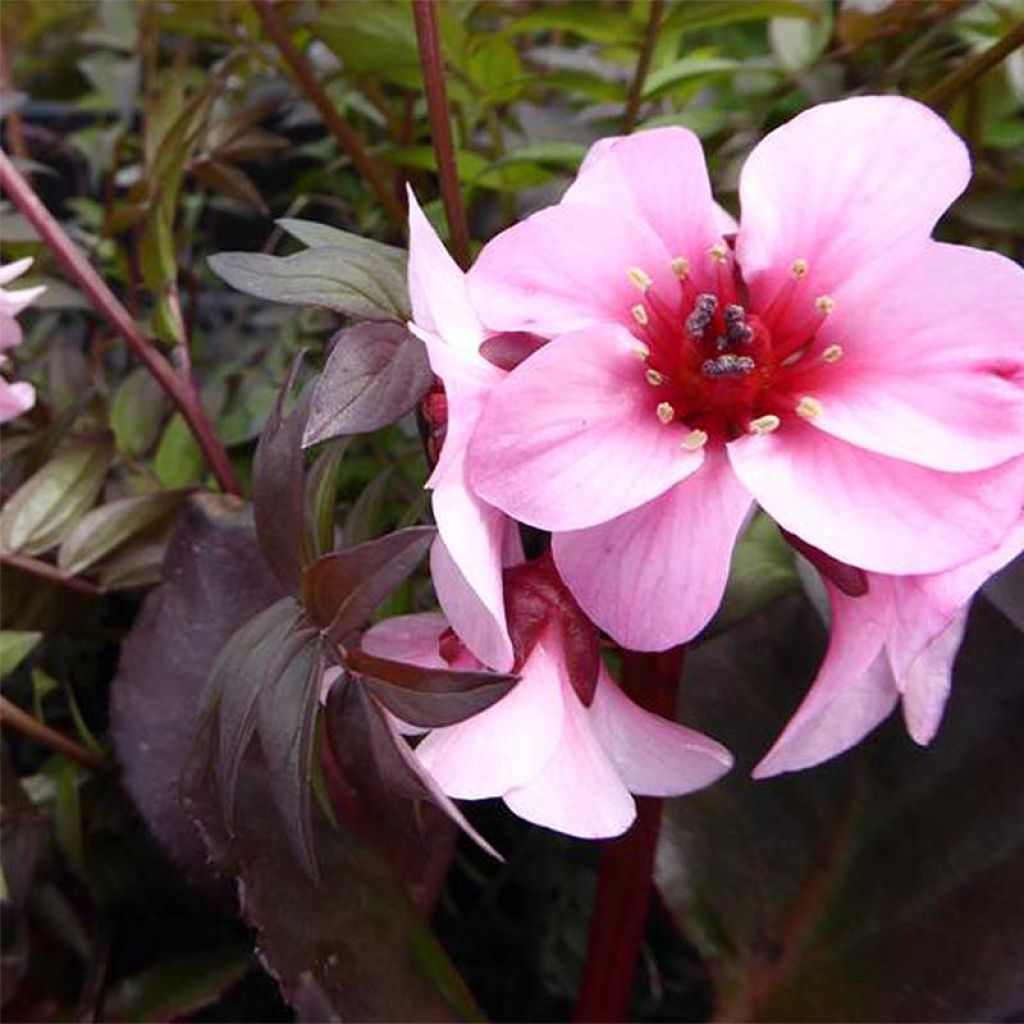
(322, 497)
(46, 507)
(105, 528)
(799, 42)
(595, 24)
(688, 69)
(15, 647)
(713, 13)
(179, 460)
(364, 519)
(495, 69)
(136, 413)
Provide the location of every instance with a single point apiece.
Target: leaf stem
(624, 880)
(182, 392)
(432, 62)
(45, 571)
(972, 69)
(348, 138)
(643, 64)
(12, 715)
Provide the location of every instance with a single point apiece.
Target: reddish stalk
(643, 63)
(12, 715)
(181, 392)
(624, 881)
(432, 62)
(348, 138)
(973, 68)
(46, 571)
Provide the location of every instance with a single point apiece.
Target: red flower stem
(182, 392)
(624, 880)
(972, 69)
(13, 716)
(45, 571)
(348, 138)
(431, 60)
(643, 63)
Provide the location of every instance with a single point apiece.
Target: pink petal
(507, 744)
(853, 692)
(437, 287)
(570, 438)
(565, 268)
(15, 399)
(10, 332)
(871, 511)
(408, 638)
(10, 271)
(653, 756)
(844, 184)
(932, 370)
(659, 177)
(927, 682)
(653, 577)
(578, 790)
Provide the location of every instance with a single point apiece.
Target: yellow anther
(799, 268)
(694, 440)
(809, 408)
(666, 413)
(719, 252)
(765, 424)
(832, 354)
(641, 351)
(680, 266)
(824, 304)
(639, 278)
(639, 314)
(654, 378)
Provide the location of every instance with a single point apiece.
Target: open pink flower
(551, 759)
(18, 397)
(897, 642)
(863, 383)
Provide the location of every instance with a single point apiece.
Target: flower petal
(506, 745)
(877, 513)
(652, 755)
(843, 184)
(853, 692)
(653, 577)
(565, 268)
(570, 438)
(578, 790)
(658, 176)
(15, 399)
(409, 638)
(933, 366)
(927, 682)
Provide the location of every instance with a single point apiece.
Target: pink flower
(897, 642)
(19, 397)
(551, 759)
(863, 383)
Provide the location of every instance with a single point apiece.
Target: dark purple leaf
(848, 578)
(341, 590)
(375, 374)
(214, 580)
(507, 351)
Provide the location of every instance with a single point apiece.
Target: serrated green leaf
(15, 647)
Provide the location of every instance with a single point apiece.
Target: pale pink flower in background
(553, 760)
(18, 397)
(861, 382)
(896, 642)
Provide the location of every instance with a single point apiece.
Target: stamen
(680, 266)
(694, 440)
(641, 351)
(832, 354)
(764, 424)
(727, 365)
(640, 314)
(639, 278)
(799, 268)
(666, 412)
(654, 378)
(824, 304)
(809, 408)
(719, 252)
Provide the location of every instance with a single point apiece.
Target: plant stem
(431, 60)
(45, 571)
(643, 63)
(348, 138)
(12, 715)
(624, 881)
(182, 392)
(971, 70)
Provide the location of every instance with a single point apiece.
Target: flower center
(722, 369)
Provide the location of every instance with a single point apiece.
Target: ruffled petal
(570, 438)
(881, 514)
(652, 578)
(844, 184)
(652, 755)
(565, 268)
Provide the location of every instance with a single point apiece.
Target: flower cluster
(633, 373)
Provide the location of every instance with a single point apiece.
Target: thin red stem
(624, 881)
(45, 571)
(643, 64)
(431, 60)
(181, 392)
(12, 715)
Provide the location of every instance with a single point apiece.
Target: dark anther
(727, 365)
(734, 314)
